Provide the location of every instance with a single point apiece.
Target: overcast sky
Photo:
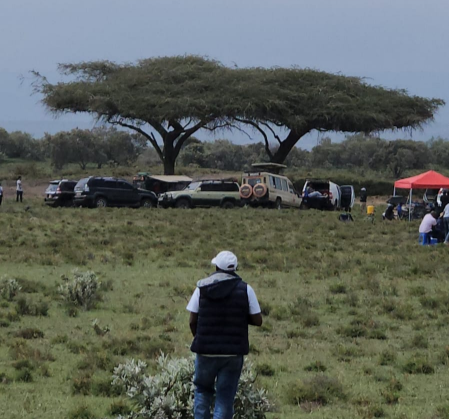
(395, 43)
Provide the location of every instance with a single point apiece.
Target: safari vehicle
(267, 188)
(327, 195)
(204, 193)
(160, 183)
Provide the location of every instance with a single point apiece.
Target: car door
(109, 189)
(206, 195)
(347, 196)
(294, 199)
(127, 195)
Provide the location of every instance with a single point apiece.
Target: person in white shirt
(1, 193)
(221, 308)
(428, 222)
(19, 190)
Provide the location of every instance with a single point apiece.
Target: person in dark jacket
(221, 308)
(363, 198)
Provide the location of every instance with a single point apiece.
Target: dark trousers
(446, 225)
(19, 196)
(1, 199)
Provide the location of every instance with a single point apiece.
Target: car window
(111, 184)
(254, 181)
(278, 183)
(96, 183)
(82, 182)
(52, 187)
(284, 185)
(124, 185)
(272, 182)
(291, 189)
(192, 186)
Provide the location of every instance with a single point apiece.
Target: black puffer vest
(222, 327)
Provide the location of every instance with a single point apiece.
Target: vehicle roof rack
(272, 167)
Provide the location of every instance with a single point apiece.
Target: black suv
(111, 192)
(60, 193)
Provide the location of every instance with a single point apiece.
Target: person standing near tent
(363, 198)
(445, 216)
(1, 193)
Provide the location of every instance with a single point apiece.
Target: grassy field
(355, 315)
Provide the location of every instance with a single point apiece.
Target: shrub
(418, 365)
(169, 393)
(420, 342)
(81, 412)
(82, 384)
(119, 407)
(9, 289)
(338, 288)
(82, 291)
(29, 333)
(316, 366)
(265, 369)
(442, 412)
(387, 357)
(24, 375)
(319, 389)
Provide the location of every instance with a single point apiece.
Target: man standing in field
(1, 193)
(19, 190)
(363, 198)
(221, 308)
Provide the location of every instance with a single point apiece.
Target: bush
(265, 369)
(316, 366)
(28, 308)
(29, 333)
(169, 393)
(319, 389)
(81, 412)
(83, 290)
(418, 366)
(9, 289)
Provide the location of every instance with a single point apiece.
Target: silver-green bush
(9, 288)
(169, 393)
(83, 290)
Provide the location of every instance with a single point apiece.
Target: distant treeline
(102, 146)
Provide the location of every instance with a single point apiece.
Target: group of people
(19, 191)
(436, 224)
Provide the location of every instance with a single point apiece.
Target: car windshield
(192, 186)
(254, 181)
(81, 183)
(52, 187)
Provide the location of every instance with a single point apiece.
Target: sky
(394, 43)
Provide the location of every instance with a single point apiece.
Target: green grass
(355, 314)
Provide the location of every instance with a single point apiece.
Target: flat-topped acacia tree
(174, 97)
(170, 97)
(285, 104)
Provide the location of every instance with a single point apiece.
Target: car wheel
(278, 204)
(101, 202)
(182, 203)
(227, 205)
(147, 203)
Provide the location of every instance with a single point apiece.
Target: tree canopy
(177, 96)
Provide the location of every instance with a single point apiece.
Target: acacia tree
(166, 100)
(283, 105)
(169, 99)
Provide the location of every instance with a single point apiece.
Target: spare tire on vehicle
(260, 190)
(246, 191)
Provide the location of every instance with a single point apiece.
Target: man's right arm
(255, 319)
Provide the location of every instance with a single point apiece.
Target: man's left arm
(193, 322)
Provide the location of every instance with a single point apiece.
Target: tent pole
(394, 191)
(410, 206)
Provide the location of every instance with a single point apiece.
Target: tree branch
(150, 137)
(272, 131)
(265, 137)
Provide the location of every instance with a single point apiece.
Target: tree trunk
(286, 146)
(169, 166)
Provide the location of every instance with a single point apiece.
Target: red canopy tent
(430, 179)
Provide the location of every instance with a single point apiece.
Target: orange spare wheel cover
(246, 191)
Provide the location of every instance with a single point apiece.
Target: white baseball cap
(225, 260)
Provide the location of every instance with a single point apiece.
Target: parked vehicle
(432, 195)
(111, 192)
(326, 195)
(204, 193)
(266, 188)
(60, 193)
(160, 184)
